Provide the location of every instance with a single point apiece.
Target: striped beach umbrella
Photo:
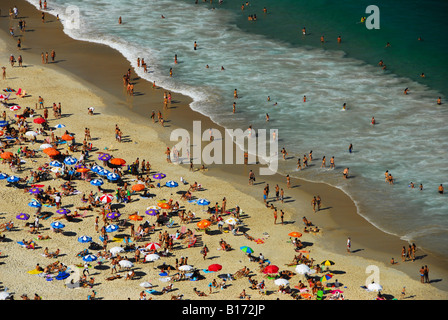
(55, 163)
(14, 108)
(326, 277)
(246, 249)
(171, 184)
(104, 157)
(112, 228)
(59, 126)
(57, 225)
(70, 160)
(84, 239)
(96, 182)
(103, 172)
(106, 198)
(113, 176)
(153, 246)
(23, 216)
(113, 215)
(57, 170)
(95, 168)
(89, 258)
(35, 190)
(152, 212)
(159, 176)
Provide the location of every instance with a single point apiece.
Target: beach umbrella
(59, 126)
(57, 169)
(270, 269)
(231, 221)
(327, 263)
(4, 295)
(326, 277)
(70, 160)
(186, 267)
(52, 152)
(164, 205)
(117, 161)
(113, 176)
(67, 137)
(57, 225)
(153, 246)
(146, 284)
(62, 275)
(113, 215)
(102, 172)
(302, 269)
(31, 133)
(14, 108)
(63, 211)
(106, 198)
(84, 239)
(3, 176)
(35, 190)
(1, 133)
(374, 287)
(23, 216)
(152, 212)
(55, 163)
(171, 184)
(3, 123)
(35, 204)
(82, 169)
(6, 155)
(112, 228)
(126, 264)
(135, 217)
(12, 179)
(39, 120)
(159, 176)
(203, 202)
(89, 258)
(45, 146)
(104, 157)
(246, 249)
(116, 250)
(152, 257)
(96, 182)
(214, 267)
(95, 168)
(204, 224)
(138, 187)
(281, 282)
(295, 234)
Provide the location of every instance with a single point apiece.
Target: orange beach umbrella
(117, 161)
(6, 155)
(67, 137)
(295, 234)
(203, 224)
(135, 217)
(51, 152)
(138, 187)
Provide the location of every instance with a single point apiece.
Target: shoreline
(182, 117)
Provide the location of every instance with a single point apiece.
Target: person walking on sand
(251, 178)
(4, 72)
(288, 181)
(426, 274)
(349, 244)
(314, 203)
(318, 202)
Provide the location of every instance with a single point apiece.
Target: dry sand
(56, 84)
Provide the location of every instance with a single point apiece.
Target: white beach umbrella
(374, 287)
(57, 170)
(31, 133)
(186, 267)
(126, 264)
(45, 146)
(152, 257)
(281, 282)
(116, 250)
(302, 269)
(146, 284)
(231, 221)
(4, 295)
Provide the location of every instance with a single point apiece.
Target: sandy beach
(81, 77)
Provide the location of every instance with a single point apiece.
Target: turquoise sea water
(270, 57)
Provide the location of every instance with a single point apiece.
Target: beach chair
(170, 223)
(319, 295)
(192, 242)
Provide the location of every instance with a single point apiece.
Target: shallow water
(270, 57)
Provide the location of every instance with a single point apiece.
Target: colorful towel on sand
(34, 271)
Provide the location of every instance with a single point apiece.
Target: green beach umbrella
(246, 249)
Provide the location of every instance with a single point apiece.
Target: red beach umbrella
(214, 267)
(270, 269)
(39, 120)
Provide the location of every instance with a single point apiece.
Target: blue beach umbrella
(12, 179)
(3, 176)
(35, 190)
(63, 211)
(96, 182)
(112, 228)
(113, 176)
(103, 172)
(3, 123)
(171, 184)
(203, 202)
(89, 258)
(159, 176)
(84, 239)
(59, 126)
(35, 204)
(96, 168)
(247, 249)
(152, 212)
(23, 216)
(57, 225)
(55, 163)
(62, 275)
(70, 160)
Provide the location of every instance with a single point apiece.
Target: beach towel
(34, 271)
